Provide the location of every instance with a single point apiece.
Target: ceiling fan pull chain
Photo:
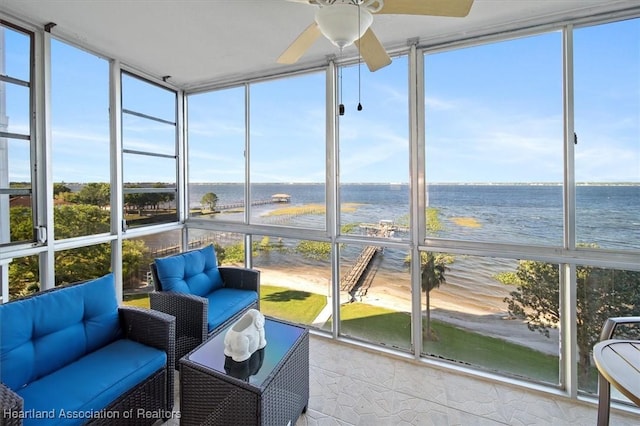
(341, 106)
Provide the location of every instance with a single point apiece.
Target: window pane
(142, 134)
(147, 168)
(295, 277)
(149, 99)
(137, 255)
(288, 151)
(17, 154)
(229, 246)
(602, 294)
(481, 318)
(216, 154)
(15, 178)
(16, 117)
(80, 148)
(494, 123)
(83, 263)
(149, 204)
(87, 214)
(607, 123)
(17, 55)
(15, 109)
(374, 146)
(375, 295)
(24, 276)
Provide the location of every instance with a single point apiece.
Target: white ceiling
(199, 42)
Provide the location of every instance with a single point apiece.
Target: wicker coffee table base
(210, 398)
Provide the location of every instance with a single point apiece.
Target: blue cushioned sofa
(201, 295)
(70, 356)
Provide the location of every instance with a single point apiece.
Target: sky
(493, 113)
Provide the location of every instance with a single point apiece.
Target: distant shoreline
(80, 184)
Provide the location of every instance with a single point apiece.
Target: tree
(73, 264)
(60, 188)
(601, 293)
(209, 200)
(73, 220)
(95, 193)
(432, 273)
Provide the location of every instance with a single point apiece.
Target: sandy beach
(480, 311)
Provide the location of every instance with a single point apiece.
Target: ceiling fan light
(340, 23)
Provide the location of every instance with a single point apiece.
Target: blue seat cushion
(91, 383)
(225, 303)
(192, 272)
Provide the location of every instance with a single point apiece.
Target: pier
(359, 278)
(275, 199)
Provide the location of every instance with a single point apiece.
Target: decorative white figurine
(245, 336)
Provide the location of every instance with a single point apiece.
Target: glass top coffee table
(270, 388)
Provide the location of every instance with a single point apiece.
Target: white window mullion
(568, 294)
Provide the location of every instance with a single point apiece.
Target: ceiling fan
(345, 22)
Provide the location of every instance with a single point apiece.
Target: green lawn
(141, 300)
(380, 325)
(290, 305)
(281, 302)
(492, 353)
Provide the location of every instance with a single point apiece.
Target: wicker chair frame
(191, 311)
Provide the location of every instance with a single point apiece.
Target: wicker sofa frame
(154, 395)
(191, 311)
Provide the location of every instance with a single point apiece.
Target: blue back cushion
(193, 272)
(43, 333)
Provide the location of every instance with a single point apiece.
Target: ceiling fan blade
(454, 8)
(372, 51)
(300, 45)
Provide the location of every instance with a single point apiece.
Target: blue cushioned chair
(203, 296)
(71, 355)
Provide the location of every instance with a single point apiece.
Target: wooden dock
(359, 278)
(240, 204)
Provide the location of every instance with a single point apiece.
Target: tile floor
(353, 386)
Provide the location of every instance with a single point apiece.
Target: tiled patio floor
(352, 386)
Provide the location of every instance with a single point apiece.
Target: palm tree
(433, 268)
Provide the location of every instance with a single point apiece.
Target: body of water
(606, 215)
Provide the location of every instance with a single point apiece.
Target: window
(217, 134)
(295, 278)
(287, 152)
(149, 140)
(24, 276)
(494, 141)
(18, 276)
(229, 246)
(602, 293)
(82, 263)
(375, 295)
(374, 147)
(477, 310)
(607, 125)
(17, 197)
(138, 253)
(80, 146)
